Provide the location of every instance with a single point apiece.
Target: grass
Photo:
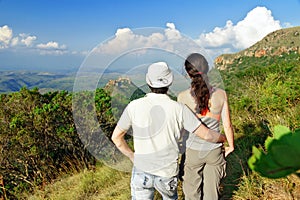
(255, 187)
(241, 183)
(103, 183)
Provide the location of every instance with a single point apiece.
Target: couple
(157, 123)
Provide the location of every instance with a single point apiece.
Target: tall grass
(103, 183)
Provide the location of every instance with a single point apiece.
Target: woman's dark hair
(197, 67)
(162, 90)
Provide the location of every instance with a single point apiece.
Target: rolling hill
(277, 43)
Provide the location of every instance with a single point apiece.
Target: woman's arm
(227, 128)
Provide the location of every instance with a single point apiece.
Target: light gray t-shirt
(156, 121)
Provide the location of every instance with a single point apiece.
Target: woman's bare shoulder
(219, 92)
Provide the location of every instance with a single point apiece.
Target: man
(156, 122)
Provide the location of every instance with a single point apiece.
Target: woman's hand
(228, 150)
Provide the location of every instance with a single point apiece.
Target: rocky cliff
(277, 43)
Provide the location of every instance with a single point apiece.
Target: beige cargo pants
(203, 171)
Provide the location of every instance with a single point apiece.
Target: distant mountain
(12, 81)
(277, 43)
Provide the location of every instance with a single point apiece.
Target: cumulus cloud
(227, 39)
(51, 48)
(5, 36)
(14, 41)
(171, 32)
(168, 38)
(257, 24)
(230, 38)
(124, 38)
(26, 41)
(51, 45)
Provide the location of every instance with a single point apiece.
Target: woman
(205, 163)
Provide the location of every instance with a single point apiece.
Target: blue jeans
(144, 184)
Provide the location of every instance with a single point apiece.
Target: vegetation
(38, 140)
(277, 162)
(103, 183)
(263, 92)
(42, 155)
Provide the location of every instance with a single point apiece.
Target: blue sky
(54, 35)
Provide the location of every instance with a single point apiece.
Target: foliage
(282, 154)
(262, 93)
(92, 113)
(38, 139)
(265, 89)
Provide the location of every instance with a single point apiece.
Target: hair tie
(200, 73)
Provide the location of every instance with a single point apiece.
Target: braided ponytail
(197, 67)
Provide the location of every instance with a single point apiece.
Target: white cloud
(219, 36)
(52, 48)
(5, 36)
(130, 46)
(27, 40)
(8, 40)
(126, 39)
(230, 38)
(14, 41)
(51, 45)
(257, 24)
(171, 32)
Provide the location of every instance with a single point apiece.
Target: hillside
(13, 81)
(277, 43)
(260, 97)
(42, 156)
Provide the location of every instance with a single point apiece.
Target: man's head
(159, 76)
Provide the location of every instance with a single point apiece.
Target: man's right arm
(192, 124)
(209, 135)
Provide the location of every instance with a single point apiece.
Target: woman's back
(216, 102)
(211, 119)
